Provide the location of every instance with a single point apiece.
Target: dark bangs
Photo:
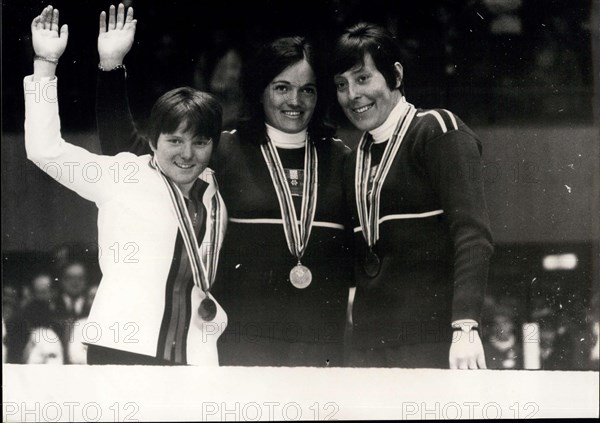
(272, 59)
(200, 111)
(348, 53)
(362, 38)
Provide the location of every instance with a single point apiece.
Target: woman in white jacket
(162, 213)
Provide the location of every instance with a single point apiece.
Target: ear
(152, 147)
(399, 71)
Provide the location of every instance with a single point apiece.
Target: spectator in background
(72, 302)
(40, 296)
(10, 303)
(219, 71)
(44, 346)
(501, 339)
(12, 316)
(43, 329)
(40, 313)
(41, 287)
(76, 349)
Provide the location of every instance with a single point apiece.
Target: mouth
(184, 166)
(362, 109)
(292, 114)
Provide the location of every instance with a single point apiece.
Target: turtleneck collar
(386, 130)
(284, 140)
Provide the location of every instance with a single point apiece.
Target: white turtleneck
(386, 130)
(284, 140)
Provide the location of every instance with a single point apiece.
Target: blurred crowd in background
(493, 62)
(490, 61)
(44, 321)
(44, 317)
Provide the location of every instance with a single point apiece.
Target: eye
(173, 140)
(340, 85)
(363, 78)
(203, 142)
(280, 88)
(309, 90)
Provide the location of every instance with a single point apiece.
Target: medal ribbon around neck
(368, 205)
(203, 273)
(297, 237)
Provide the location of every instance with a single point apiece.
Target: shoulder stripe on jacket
(438, 117)
(445, 122)
(452, 118)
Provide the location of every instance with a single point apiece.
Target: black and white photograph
(334, 210)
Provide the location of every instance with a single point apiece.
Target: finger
(102, 22)
(462, 364)
(472, 363)
(64, 32)
(120, 16)
(49, 15)
(481, 361)
(132, 25)
(111, 18)
(44, 18)
(129, 17)
(35, 22)
(54, 26)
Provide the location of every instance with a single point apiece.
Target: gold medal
(297, 233)
(300, 276)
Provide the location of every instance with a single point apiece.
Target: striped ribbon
(296, 237)
(203, 273)
(368, 204)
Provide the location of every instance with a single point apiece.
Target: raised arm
(48, 43)
(86, 173)
(116, 128)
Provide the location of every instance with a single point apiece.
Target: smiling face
(364, 95)
(183, 156)
(290, 98)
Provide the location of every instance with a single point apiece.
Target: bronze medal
(368, 183)
(207, 310)
(300, 276)
(372, 264)
(203, 268)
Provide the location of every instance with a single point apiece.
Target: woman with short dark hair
(422, 232)
(154, 304)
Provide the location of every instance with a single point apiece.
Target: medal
(202, 262)
(207, 309)
(297, 233)
(372, 264)
(300, 276)
(368, 184)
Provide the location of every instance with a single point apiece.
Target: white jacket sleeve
(90, 175)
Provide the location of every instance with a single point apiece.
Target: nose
(353, 91)
(293, 99)
(186, 151)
